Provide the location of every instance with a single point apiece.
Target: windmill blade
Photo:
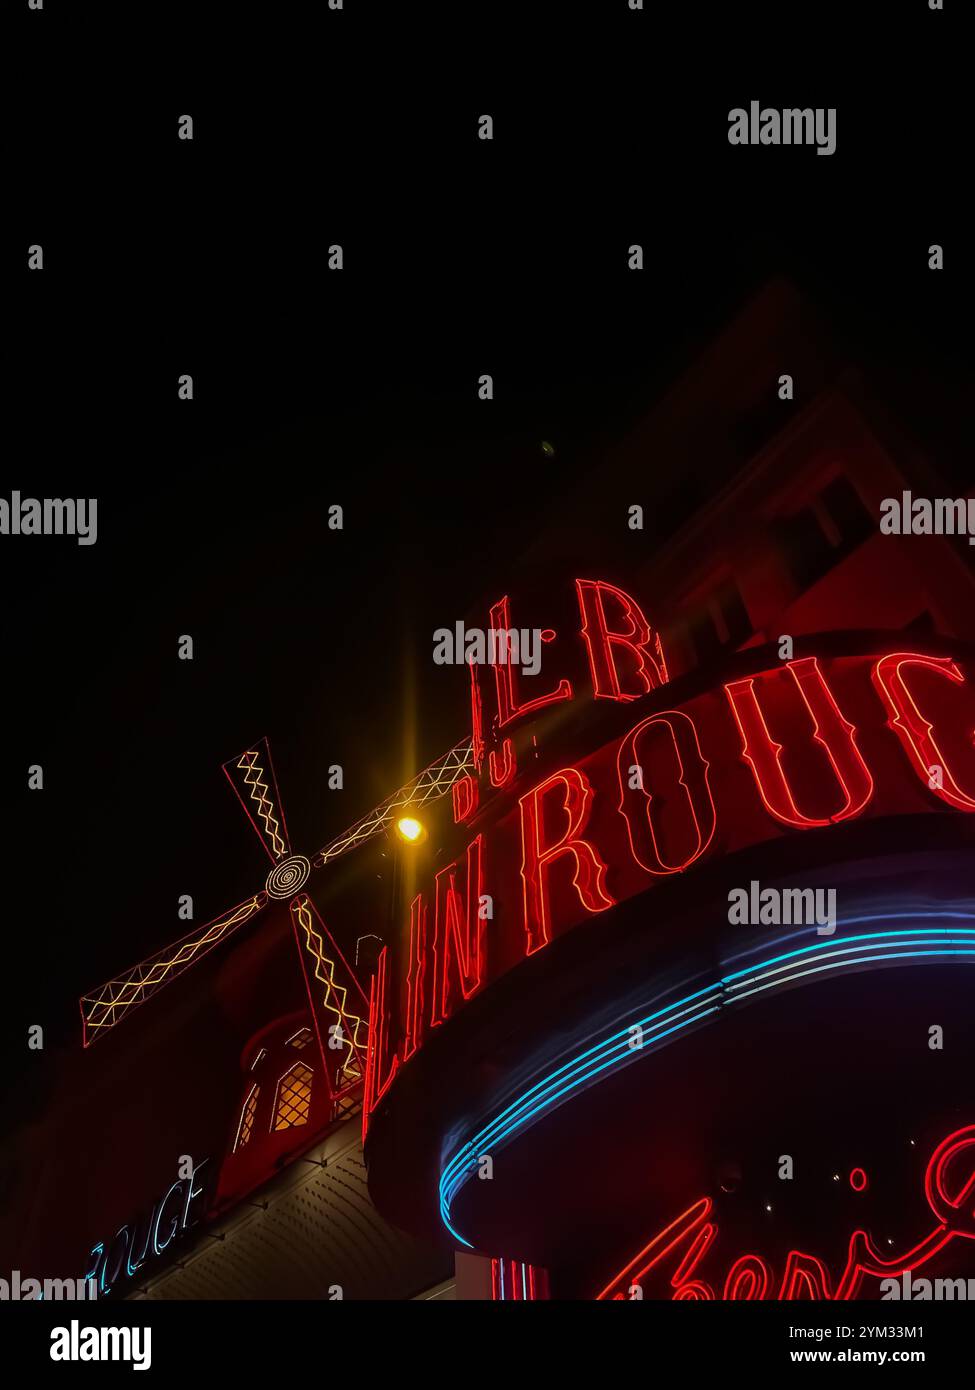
(432, 783)
(327, 975)
(251, 774)
(340, 1009)
(106, 1006)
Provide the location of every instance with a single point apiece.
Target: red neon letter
(636, 802)
(691, 1223)
(590, 871)
(502, 773)
(955, 1217)
(504, 676)
(457, 936)
(378, 1061)
(635, 635)
(477, 719)
(836, 735)
(696, 1290)
(804, 1272)
(414, 977)
(748, 1279)
(910, 725)
(465, 794)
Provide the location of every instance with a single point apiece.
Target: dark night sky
(359, 388)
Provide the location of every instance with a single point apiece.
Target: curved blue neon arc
(903, 944)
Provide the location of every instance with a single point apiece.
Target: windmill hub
(288, 877)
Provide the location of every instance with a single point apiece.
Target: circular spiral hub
(288, 877)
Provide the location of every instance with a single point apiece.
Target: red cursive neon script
(950, 1192)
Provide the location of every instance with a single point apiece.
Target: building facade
(673, 999)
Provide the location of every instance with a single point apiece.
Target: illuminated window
(247, 1118)
(300, 1039)
(294, 1097)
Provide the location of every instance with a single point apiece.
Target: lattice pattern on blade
(252, 777)
(433, 783)
(104, 1008)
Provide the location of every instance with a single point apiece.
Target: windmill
(339, 1008)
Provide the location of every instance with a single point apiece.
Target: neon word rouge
(147, 1237)
(581, 838)
(687, 1239)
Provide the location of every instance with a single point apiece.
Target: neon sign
(679, 1249)
(809, 744)
(148, 1237)
(931, 938)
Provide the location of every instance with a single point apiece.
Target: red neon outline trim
(477, 719)
(464, 795)
(752, 1271)
(909, 724)
(590, 871)
(416, 971)
(458, 934)
(265, 836)
(864, 1258)
(763, 754)
(376, 1085)
(651, 671)
(805, 1272)
(696, 1290)
(503, 775)
(294, 909)
(695, 1254)
(657, 1249)
(705, 834)
(504, 676)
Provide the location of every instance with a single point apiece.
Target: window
(300, 1039)
(818, 537)
(704, 636)
(732, 613)
(294, 1097)
(849, 516)
(808, 552)
(721, 621)
(246, 1126)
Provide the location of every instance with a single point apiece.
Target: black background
(359, 388)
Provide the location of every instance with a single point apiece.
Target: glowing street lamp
(411, 830)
